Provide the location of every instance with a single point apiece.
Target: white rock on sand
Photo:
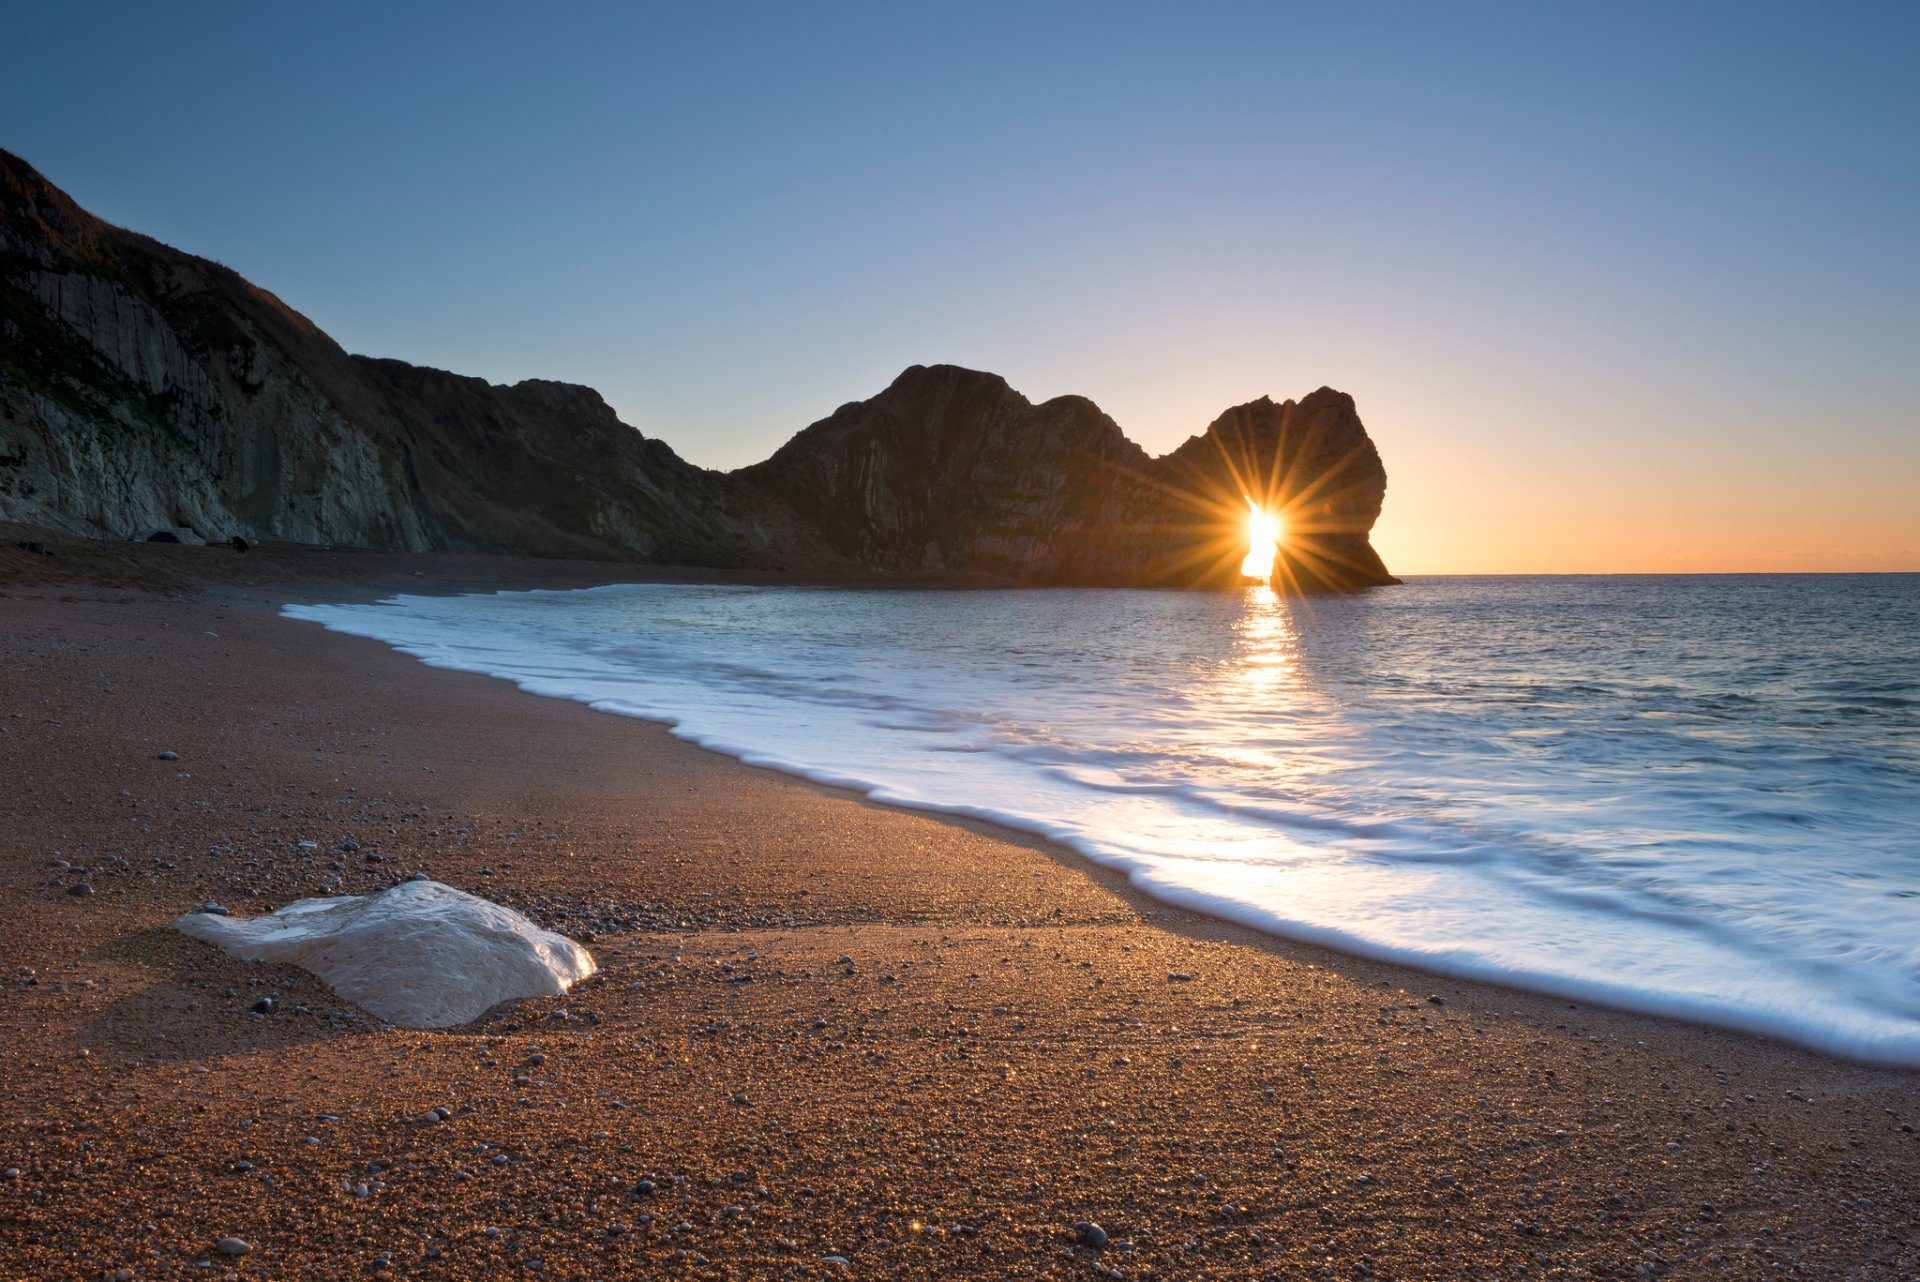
(421, 955)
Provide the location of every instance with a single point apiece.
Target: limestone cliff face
(950, 471)
(142, 388)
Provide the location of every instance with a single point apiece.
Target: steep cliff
(143, 388)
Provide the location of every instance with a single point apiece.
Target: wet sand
(825, 1030)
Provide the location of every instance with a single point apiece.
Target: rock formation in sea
(951, 473)
(145, 389)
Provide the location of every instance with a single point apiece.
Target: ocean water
(1694, 796)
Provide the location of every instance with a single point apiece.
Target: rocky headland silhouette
(146, 389)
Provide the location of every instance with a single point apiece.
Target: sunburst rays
(1206, 537)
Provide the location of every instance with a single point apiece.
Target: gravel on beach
(829, 1038)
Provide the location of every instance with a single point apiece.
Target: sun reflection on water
(1265, 640)
(1265, 689)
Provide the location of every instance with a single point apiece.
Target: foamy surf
(1690, 797)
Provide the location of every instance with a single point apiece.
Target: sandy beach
(829, 1038)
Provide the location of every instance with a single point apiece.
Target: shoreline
(1005, 1052)
(1596, 988)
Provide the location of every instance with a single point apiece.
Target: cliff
(950, 472)
(142, 388)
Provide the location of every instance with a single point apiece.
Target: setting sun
(1263, 542)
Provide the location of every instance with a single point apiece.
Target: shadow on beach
(200, 1005)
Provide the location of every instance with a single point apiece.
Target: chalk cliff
(142, 388)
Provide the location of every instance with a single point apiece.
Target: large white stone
(421, 955)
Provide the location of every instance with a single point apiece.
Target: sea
(1694, 796)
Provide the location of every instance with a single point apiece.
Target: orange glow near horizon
(1264, 531)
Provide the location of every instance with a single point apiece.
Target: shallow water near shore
(1692, 796)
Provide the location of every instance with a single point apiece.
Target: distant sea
(1697, 796)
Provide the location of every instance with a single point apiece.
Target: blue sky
(1615, 286)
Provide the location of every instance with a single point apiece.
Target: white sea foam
(1693, 797)
(420, 954)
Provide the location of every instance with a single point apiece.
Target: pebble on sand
(169, 756)
(234, 1246)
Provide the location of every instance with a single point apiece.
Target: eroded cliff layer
(142, 388)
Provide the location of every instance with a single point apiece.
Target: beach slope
(828, 1037)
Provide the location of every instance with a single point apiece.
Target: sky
(1616, 287)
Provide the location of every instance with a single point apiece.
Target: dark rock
(167, 756)
(261, 411)
(948, 474)
(81, 889)
(239, 544)
(264, 1006)
(34, 546)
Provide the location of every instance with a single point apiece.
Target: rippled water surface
(1692, 795)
